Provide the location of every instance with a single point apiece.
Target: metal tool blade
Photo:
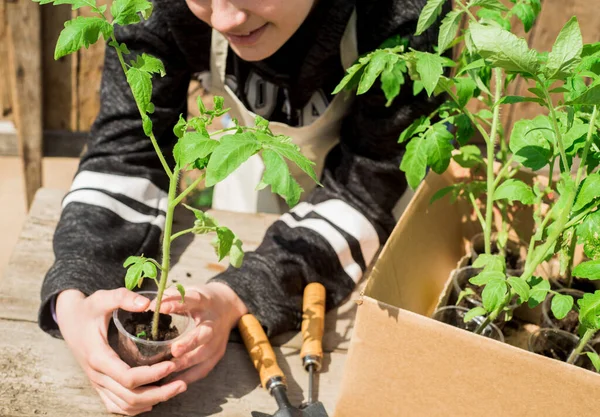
(315, 410)
(259, 414)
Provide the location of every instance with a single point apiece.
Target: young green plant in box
(196, 149)
(566, 88)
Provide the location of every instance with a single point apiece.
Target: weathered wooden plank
(39, 376)
(5, 99)
(55, 142)
(87, 73)
(193, 255)
(56, 78)
(26, 83)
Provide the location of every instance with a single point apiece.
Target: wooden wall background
(71, 84)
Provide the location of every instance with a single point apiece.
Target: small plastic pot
(136, 351)
(454, 316)
(570, 323)
(513, 253)
(558, 344)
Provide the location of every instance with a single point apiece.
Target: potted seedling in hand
(146, 339)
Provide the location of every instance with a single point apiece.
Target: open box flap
(404, 364)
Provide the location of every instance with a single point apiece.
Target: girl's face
(255, 29)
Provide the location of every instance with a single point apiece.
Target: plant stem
(561, 146)
(490, 164)
(189, 189)
(477, 210)
(468, 113)
(588, 143)
(579, 217)
(551, 174)
(589, 333)
(166, 259)
(569, 271)
(466, 9)
(503, 172)
(143, 114)
(183, 232)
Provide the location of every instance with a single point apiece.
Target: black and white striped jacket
(116, 206)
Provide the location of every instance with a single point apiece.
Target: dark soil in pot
(139, 323)
(558, 344)
(580, 284)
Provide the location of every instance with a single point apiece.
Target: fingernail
(140, 301)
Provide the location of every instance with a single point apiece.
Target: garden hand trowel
(271, 376)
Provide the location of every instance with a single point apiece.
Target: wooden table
(38, 376)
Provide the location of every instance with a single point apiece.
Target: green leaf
(472, 66)
(181, 292)
(494, 293)
(430, 69)
(278, 176)
(132, 260)
(464, 129)
(134, 273)
(561, 305)
(75, 3)
(236, 254)
(414, 162)
(474, 312)
(589, 270)
(191, 147)
(203, 220)
(141, 87)
(566, 52)
(488, 4)
(529, 145)
(419, 125)
(491, 263)
(589, 192)
(439, 194)
(376, 65)
(287, 149)
(520, 287)
(224, 242)
(512, 190)
(519, 99)
(150, 270)
(147, 125)
(351, 78)
(392, 78)
(233, 151)
(448, 30)
(485, 277)
(539, 291)
(589, 310)
(81, 32)
(180, 127)
(469, 156)
(525, 14)
(429, 15)
(590, 97)
(439, 148)
(504, 49)
(125, 12)
(465, 88)
(464, 293)
(595, 360)
(148, 63)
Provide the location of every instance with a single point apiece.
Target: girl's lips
(249, 39)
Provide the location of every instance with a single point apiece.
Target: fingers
(116, 405)
(106, 301)
(199, 336)
(171, 302)
(202, 369)
(107, 362)
(140, 398)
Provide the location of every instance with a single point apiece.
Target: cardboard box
(402, 363)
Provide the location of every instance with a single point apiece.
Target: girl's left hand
(216, 309)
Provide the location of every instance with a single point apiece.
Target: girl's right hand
(83, 322)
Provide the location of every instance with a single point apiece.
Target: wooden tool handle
(260, 349)
(313, 320)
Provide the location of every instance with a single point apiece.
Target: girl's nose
(226, 16)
